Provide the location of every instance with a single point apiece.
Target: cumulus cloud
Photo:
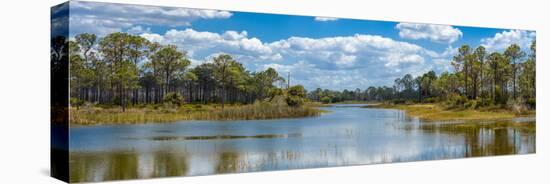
(312, 77)
(202, 44)
(350, 51)
(345, 62)
(432, 32)
(138, 30)
(325, 19)
(104, 18)
(502, 40)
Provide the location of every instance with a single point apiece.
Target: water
(348, 135)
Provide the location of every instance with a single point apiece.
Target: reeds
(435, 112)
(149, 114)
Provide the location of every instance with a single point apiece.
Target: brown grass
(435, 112)
(150, 114)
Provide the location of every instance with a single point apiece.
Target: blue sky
(273, 27)
(318, 51)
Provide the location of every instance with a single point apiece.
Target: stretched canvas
(147, 91)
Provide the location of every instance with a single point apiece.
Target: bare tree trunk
(481, 78)
(514, 79)
(466, 79)
(223, 96)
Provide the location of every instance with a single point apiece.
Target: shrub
(457, 100)
(398, 101)
(294, 101)
(295, 96)
(517, 106)
(297, 91)
(272, 93)
(531, 103)
(173, 99)
(486, 102)
(472, 104)
(76, 102)
(326, 99)
(430, 100)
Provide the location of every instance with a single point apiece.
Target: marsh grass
(165, 114)
(528, 126)
(354, 102)
(213, 137)
(436, 112)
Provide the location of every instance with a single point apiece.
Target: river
(347, 135)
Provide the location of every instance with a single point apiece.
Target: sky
(318, 52)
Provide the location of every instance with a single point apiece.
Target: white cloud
(138, 30)
(502, 40)
(153, 37)
(104, 18)
(432, 32)
(325, 19)
(346, 62)
(201, 44)
(350, 52)
(312, 77)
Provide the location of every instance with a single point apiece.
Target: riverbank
(352, 102)
(160, 114)
(436, 112)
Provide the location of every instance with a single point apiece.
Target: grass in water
(206, 137)
(436, 112)
(150, 114)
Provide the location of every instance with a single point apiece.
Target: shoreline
(435, 112)
(191, 112)
(93, 116)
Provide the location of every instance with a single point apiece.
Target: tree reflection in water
(487, 139)
(86, 167)
(348, 136)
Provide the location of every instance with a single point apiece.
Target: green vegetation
(501, 141)
(487, 85)
(296, 96)
(123, 78)
(210, 137)
(440, 112)
(173, 99)
(169, 113)
(471, 127)
(125, 70)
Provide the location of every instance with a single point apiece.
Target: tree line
(124, 69)
(495, 78)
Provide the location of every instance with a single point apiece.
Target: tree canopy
(124, 69)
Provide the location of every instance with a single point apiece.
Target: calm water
(349, 135)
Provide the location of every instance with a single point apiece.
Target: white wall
(24, 91)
